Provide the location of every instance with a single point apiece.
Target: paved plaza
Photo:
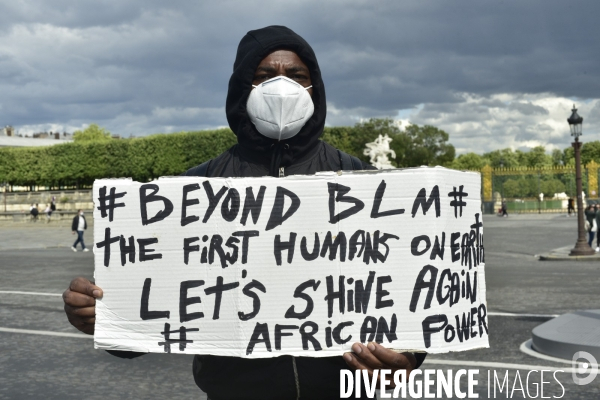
(36, 264)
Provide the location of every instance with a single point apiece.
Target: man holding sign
(276, 107)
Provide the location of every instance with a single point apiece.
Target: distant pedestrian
(34, 212)
(597, 225)
(590, 223)
(48, 212)
(53, 203)
(503, 209)
(597, 222)
(79, 225)
(570, 206)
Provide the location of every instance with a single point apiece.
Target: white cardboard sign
(303, 265)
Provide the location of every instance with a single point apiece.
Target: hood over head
(253, 47)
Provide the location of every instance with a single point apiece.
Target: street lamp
(581, 247)
(502, 181)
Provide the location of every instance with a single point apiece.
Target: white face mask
(279, 107)
(81, 213)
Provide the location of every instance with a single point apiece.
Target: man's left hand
(375, 356)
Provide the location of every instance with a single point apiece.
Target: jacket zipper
(296, 378)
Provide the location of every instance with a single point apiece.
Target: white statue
(378, 152)
(561, 196)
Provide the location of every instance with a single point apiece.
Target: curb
(557, 257)
(562, 254)
(39, 248)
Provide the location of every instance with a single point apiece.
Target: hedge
(142, 159)
(146, 158)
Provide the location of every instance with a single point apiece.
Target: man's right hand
(80, 304)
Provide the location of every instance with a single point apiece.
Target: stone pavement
(36, 266)
(15, 236)
(522, 293)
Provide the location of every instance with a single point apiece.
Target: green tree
(469, 161)
(415, 146)
(590, 151)
(552, 186)
(141, 158)
(569, 156)
(513, 188)
(522, 158)
(93, 133)
(557, 158)
(534, 185)
(149, 157)
(537, 157)
(521, 187)
(427, 145)
(353, 140)
(505, 158)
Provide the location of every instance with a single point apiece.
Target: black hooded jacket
(255, 155)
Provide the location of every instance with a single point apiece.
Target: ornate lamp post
(502, 181)
(581, 247)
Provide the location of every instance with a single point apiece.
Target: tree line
(537, 157)
(532, 184)
(94, 154)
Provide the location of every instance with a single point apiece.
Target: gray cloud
(140, 67)
(481, 124)
(528, 109)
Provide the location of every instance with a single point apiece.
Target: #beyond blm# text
(466, 248)
(359, 244)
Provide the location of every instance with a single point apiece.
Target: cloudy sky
(493, 74)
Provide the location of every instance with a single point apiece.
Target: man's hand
(375, 356)
(80, 304)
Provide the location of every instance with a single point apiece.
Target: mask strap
(255, 86)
